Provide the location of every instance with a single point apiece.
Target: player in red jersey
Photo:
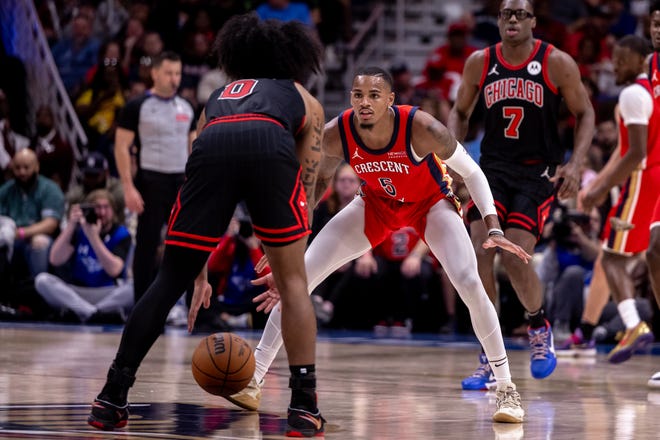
(520, 84)
(653, 251)
(636, 160)
(398, 153)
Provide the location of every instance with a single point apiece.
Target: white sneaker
(509, 409)
(654, 381)
(249, 397)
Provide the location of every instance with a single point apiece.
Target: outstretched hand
(201, 295)
(504, 243)
(270, 298)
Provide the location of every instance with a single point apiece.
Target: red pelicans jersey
(393, 172)
(654, 74)
(397, 187)
(629, 220)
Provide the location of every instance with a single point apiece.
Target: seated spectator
(285, 10)
(195, 63)
(150, 46)
(95, 175)
(98, 247)
(567, 265)
(54, 153)
(36, 204)
(10, 141)
(74, 55)
(406, 92)
(101, 100)
(444, 67)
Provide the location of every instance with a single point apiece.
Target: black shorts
(248, 160)
(523, 194)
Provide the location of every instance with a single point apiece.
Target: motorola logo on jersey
(534, 68)
(513, 88)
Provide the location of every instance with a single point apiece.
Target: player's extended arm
(308, 146)
(430, 136)
(564, 73)
(332, 157)
(467, 95)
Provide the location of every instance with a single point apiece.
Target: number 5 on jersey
(387, 185)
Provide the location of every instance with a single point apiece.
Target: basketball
(223, 364)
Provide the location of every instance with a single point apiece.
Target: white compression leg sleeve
(340, 241)
(450, 243)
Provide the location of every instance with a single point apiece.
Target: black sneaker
(301, 423)
(107, 416)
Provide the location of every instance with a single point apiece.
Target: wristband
(21, 233)
(495, 232)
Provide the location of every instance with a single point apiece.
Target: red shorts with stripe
(629, 221)
(245, 159)
(382, 216)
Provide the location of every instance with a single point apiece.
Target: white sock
(270, 343)
(628, 313)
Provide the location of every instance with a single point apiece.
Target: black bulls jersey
(278, 99)
(521, 107)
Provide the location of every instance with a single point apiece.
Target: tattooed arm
(308, 146)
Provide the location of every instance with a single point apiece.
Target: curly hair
(248, 47)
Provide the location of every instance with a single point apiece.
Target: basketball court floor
(368, 389)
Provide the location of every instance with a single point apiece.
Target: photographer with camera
(567, 265)
(230, 270)
(97, 246)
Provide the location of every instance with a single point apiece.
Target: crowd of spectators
(104, 50)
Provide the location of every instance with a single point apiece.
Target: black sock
(537, 319)
(116, 387)
(303, 387)
(587, 330)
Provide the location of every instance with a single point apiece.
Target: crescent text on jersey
(380, 166)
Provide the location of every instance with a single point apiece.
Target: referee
(161, 125)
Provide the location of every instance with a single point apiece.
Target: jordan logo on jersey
(356, 155)
(493, 71)
(546, 173)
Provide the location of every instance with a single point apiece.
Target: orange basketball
(223, 364)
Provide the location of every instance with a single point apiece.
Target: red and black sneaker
(107, 416)
(301, 423)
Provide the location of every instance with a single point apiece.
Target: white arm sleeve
(474, 179)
